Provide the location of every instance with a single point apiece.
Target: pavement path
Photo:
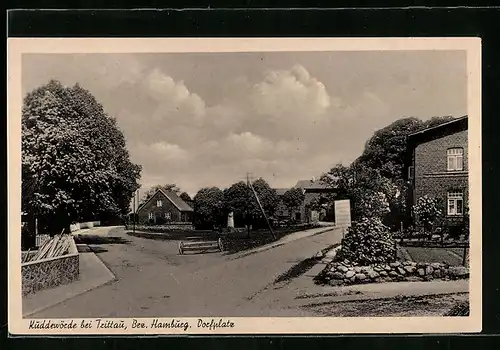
(152, 280)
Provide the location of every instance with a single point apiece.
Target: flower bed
(51, 272)
(345, 273)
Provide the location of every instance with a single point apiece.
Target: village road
(154, 281)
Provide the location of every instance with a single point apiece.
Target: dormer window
(159, 203)
(455, 159)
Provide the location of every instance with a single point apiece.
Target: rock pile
(347, 273)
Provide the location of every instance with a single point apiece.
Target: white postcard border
(247, 325)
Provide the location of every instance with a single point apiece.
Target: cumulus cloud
(175, 102)
(284, 94)
(278, 127)
(282, 125)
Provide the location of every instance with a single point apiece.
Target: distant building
(314, 190)
(437, 166)
(164, 207)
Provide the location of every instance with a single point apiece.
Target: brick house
(437, 166)
(165, 207)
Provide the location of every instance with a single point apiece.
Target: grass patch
(435, 305)
(236, 242)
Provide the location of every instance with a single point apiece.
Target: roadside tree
(293, 199)
(75, 165)
(209, 208)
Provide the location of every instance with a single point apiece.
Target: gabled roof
(458, 123)
(303, 183)
(173, 198)
(311, 185)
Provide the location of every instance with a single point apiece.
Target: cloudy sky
(206, 119)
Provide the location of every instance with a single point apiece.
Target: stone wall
(49, 273)
(345, 273)
(180, 226)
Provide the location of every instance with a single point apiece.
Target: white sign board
(343, 213)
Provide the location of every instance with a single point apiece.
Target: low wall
(81, 225)
(345, 273)
(172, 227)
(51, 272)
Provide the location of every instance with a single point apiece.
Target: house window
(159, 203)
(151, 216)
(455, 203)
(455, 159)
(167, 216)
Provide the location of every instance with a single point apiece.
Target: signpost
(343, 214)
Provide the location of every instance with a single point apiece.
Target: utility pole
(248, 206)
(135, 195)
(263, 212)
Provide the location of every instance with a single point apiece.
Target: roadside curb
(51, 297)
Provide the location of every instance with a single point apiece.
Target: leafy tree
(386, 149)
(75, 165)
(267, 196)
(293, 199)
(167, 187)
(209, 207)
(240, 199)
(368, 191)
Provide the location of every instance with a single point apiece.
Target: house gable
(171, 197)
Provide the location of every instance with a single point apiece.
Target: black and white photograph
(164, 190)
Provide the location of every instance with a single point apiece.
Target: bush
(368, 241)
(427, 212)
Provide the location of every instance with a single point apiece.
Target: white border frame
(251, 325)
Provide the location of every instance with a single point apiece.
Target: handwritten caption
(133, 324)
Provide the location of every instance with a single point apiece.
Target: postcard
(176, 186)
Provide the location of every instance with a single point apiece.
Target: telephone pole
(248, 206)
(135, 195)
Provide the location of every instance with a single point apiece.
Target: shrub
(368, 203)
(368, 241)
(427, 212)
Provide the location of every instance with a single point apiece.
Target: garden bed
(236, 241)
(50, 272)
(347, 273)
